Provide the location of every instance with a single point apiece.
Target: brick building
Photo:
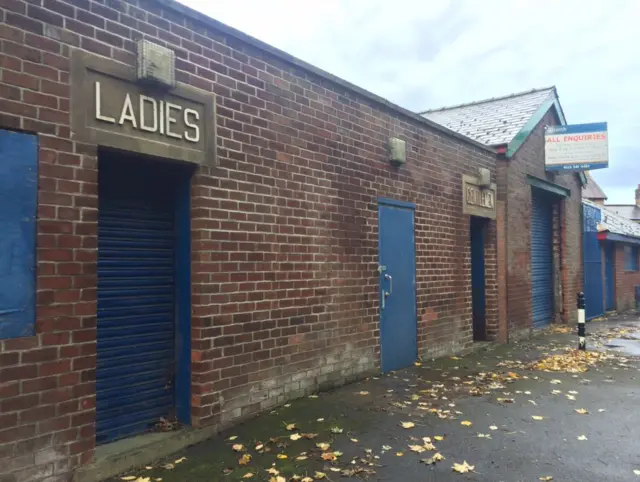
(611, 260)
(209, 250)
(539, 223)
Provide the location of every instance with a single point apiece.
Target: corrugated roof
(495, 121)
(592, 190)
(614, 222)
(629, 211)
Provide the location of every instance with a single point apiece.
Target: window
(631, 258)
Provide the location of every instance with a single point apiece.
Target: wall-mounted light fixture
(156, 64)
(484, 177)
(397, 151)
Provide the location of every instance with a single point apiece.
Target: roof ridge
(492, 99)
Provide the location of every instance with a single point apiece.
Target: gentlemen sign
(478, 200)
(110, 109)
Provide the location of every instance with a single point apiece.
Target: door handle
(390, 278)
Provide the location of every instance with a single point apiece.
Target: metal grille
(541, 259)
(135, 327)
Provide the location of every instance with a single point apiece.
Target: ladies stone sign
(478, 200)
(110, 109)
(150, 115)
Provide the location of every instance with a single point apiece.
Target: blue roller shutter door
(541, 258)
(135, 327)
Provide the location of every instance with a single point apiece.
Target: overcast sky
(423, 54)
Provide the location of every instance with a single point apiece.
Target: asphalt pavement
(506, 411)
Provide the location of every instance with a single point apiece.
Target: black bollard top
(580, 300)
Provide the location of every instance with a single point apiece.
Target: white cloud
(425, 54)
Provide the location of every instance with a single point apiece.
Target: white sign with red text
(577, 147)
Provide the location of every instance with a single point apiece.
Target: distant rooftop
(495, 121)
(629, 211)
(592, 190)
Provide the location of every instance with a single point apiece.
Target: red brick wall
(626, 282)
(284, 230)
(529, 159)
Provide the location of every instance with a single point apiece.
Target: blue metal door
(397, 269)
(541, 258)
(609, 276)
(135, 327)
(592, 263)
(478, 302)
(18, 200)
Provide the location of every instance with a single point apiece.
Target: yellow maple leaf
(323, 445)
(129, 477)
(582, 437)
(363, 393)
(399, 454)
(290, 426)
(466, 423)
(537, 417)
(582, 411)
(417, 448)
(439, 438)
(232, 438)
(320, 475)
(238, 447)
(248, 475)
(180, 460)
(407, 424)
(328, 456)
(546, 478)
(438, 457)
(307, 479)
(273, 471)
(282, 456)
(295, 436)
(245, 459)
(463, 468)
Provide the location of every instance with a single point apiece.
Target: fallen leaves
(493, 427)
(463, 468)
(582, 437)
(290, 426)
(363, 393)
(407, 424)
(237, 447)
(636, 471)
(295, 436)
(546, 478)
(573, 361)
(466, 423)
(248, 475)
(417, 448)
(582, 411)
(437, 457)
(537, 417)
(245, 459)
(323, 445)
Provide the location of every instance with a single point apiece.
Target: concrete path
(509, 420)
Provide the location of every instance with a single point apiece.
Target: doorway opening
(478, 228)
(144, 290)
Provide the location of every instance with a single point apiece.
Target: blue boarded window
(631, 258)
(18, 202)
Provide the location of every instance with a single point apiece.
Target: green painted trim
(583, 178)
(547, 186)
(531, 124)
